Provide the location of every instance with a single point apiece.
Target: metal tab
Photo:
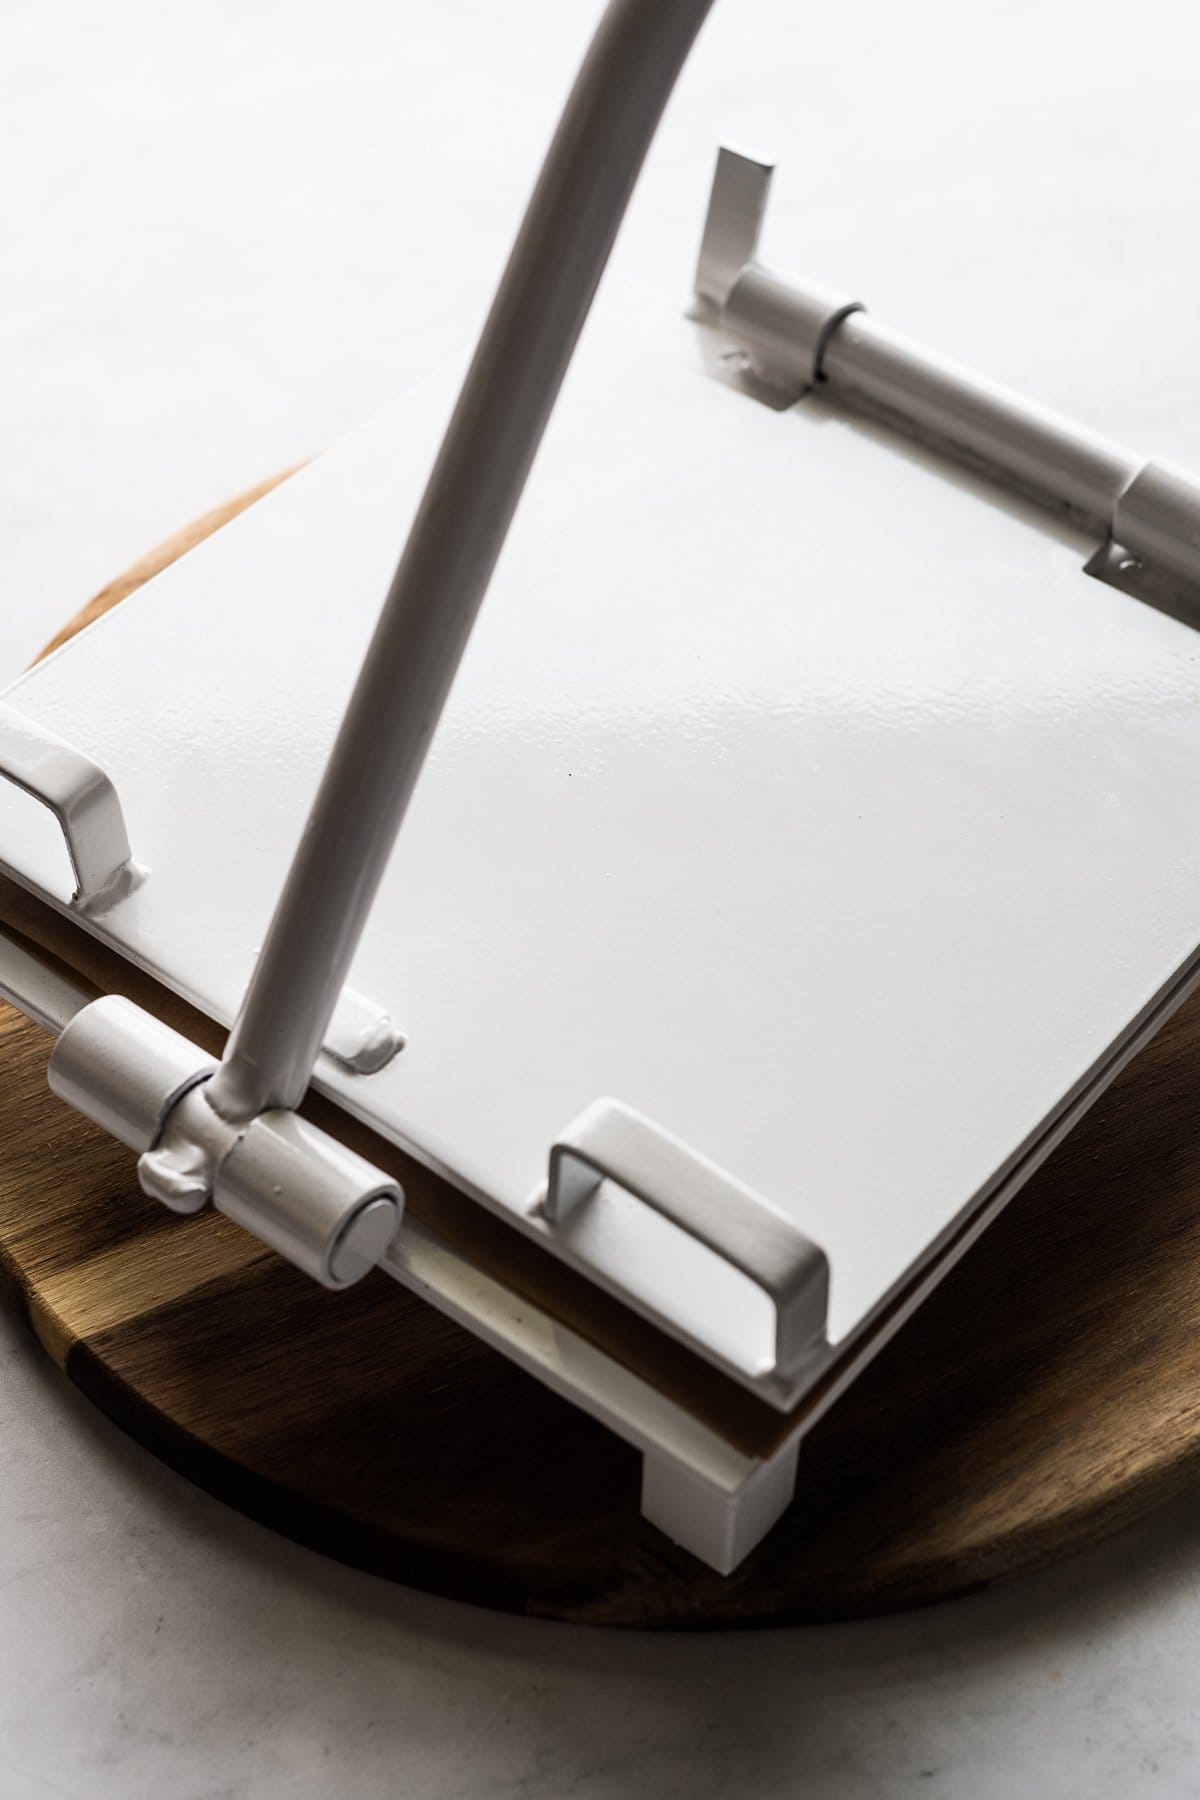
(361, 1035)
(736, 207)
(43, 990)
(124, 1069)
(780, 327)
(288, 1183)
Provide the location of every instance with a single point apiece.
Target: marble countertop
(229, 233)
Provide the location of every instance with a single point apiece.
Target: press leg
(718, 1525)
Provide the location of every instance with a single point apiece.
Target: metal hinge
(291, 1185)
(294, 1187)
(82, 799)
(795, 337)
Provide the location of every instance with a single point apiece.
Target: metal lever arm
(460, 526)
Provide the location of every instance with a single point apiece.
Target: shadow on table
(261, 1668)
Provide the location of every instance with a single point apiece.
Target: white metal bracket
(360, 1036)
(780, 327)
(796, 336)
(293, 1186)
(83, 800)
(611, 1143)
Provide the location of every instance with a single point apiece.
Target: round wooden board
(1046, 1395)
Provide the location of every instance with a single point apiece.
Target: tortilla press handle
(610, 1142)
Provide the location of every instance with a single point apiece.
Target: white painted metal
(361, 1035)
(44, 993)
(293, 1186)
(324, 1208)
(235, 1137)
(701, 1480)
(1056, 460)
(288, 1183)
(80, 797)
(719, 1527)
(803, 814)
(793, 337)
(612, 1148)
(711, 1476)
(456, 535)
(781, 327)
(737, 205)
(794, 334)
(124, 1069)
(1156, 521)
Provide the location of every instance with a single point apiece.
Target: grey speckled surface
(228, 233)
(152, 1642)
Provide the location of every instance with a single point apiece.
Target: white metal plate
(798, 792)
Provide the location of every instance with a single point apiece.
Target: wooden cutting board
(1046, 1395)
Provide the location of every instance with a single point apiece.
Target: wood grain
(160, 558)
(1046, 1395)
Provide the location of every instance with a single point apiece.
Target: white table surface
(231, 231)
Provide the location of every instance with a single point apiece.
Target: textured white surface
(841, 851)
(228, 234)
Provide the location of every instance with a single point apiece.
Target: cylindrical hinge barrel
(317, 1203)
(1038, 451)
(124, 1069)
(783, 329)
